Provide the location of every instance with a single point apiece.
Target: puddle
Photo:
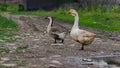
(109, 62)
(104, 61)
(109, 59)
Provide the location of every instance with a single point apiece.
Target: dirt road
(40, 52)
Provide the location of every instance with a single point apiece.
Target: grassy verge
(7, 34)
(3, 49)
(7, 30)
(1, 66)
(9, 7)
(104, 20)
(6, 24)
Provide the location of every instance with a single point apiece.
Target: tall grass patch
(104, 21)
(7, 24)
(9, 7)
(7, 30)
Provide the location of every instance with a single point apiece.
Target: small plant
(3, 7)
(23, 63)
(22, 48)
(4, 49)
(1, 66)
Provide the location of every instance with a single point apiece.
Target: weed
(21, 48)
(3, 49)
(23, 63)
(1, 66)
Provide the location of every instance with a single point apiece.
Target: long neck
(76, 21)
(50, 25)
(50, 22)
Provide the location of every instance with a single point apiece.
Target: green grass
(8, 36)
(1, 66)
(12, 8)
(104, 20)
(8, 29)
(3, 49)
(7, 32)
(9, 7)
(90, 16)
(7, 24)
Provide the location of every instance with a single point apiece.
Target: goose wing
(58, 33)
(86, 37)
(55, 30)
(87, 34)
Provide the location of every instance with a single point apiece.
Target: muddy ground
(41, 52)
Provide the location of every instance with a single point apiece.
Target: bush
(10, 7)
(7, 24)
(3, 7)
(21, 8)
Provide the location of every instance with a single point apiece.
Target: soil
(41, 51)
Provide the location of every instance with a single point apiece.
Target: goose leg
(82, 48)
(62, 41)
(55, 41)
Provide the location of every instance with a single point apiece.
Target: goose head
(73, 12)
(50, 20)
(49, 17)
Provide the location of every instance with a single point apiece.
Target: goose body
(82, 36)
(55, 33)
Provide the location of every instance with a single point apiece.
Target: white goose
(55, 33)
(82, 36)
